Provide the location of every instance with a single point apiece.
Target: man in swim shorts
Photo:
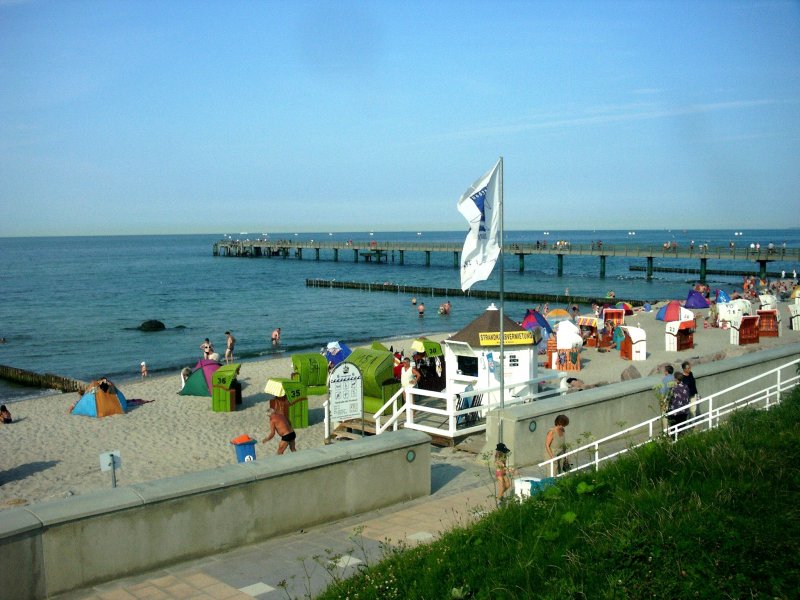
(279, 424)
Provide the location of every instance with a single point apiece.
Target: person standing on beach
(144, 369)
(409, 375)
(688, 380)
(279, 424)
(207, 348)
(276, 336)
(229, 347)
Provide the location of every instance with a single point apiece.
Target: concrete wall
(605, 410)
(54, 547)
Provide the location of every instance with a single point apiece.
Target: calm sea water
(71, 305)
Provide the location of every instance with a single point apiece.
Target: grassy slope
(716, 515)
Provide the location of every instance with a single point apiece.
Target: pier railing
(268, 247)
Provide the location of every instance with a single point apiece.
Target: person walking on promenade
(678, 399)
(501, 471)
(207, 349)
(409, 375)
(556, 443)
(231, 342)
(279, 424)
(689, 381)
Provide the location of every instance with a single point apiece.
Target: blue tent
(695, 300)
(101, 399)
(722, 296)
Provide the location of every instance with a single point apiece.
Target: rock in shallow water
(152, 325)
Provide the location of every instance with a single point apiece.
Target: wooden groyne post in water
(41, 380)
(445, 292)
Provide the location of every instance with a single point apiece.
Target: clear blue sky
(227, 116)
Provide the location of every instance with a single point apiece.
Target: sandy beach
(50, 454)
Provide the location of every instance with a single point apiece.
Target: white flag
(480, 206)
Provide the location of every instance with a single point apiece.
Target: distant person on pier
(276, 336)
(231, 342)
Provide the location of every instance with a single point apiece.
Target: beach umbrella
(722, 297)
(533, 318)
(671, 311)
(625, 306)
(795, 292)
(336, 352)
(428, 347)
(558, 314)
(284, 387)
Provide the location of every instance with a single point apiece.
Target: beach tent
(722, 297)
(673, 311)
(533, 318)
(101, 399)
(695, 300)
(199, 382)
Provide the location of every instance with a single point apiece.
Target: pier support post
(602, 266)
(299, 253)
(335, 255)
(427, 258)
(762, 268)
(560, 261)
(456, 261)
(521, 262)
(402, 257)
(703, 266)
(649, 267)
(355, 255)
(316, 252)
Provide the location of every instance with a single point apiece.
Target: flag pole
(502, 311)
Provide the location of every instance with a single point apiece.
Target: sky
(148, 116)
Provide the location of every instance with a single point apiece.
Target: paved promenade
(302, 564)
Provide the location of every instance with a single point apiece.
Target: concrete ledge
(55, 547)
(604, 410)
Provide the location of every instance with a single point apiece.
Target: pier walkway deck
(381, 252)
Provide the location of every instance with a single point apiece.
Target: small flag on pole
(480, 206)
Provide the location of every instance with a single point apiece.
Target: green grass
(715, 515)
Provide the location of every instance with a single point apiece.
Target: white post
(502, 312)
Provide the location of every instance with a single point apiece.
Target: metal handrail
(769, 395)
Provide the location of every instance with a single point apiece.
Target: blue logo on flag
(479, 199)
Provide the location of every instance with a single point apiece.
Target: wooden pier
(381, 252)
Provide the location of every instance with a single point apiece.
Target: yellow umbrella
(795, 292)
(285, 387)
(426, 346)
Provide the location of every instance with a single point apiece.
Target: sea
(72, 306)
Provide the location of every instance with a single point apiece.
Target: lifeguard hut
(472, 358)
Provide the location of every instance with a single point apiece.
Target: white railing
(710, 410)
(447, 419)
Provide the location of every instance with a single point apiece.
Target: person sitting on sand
(5, 416)
(279, 424)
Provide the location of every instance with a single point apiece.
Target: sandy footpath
(48, 453)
